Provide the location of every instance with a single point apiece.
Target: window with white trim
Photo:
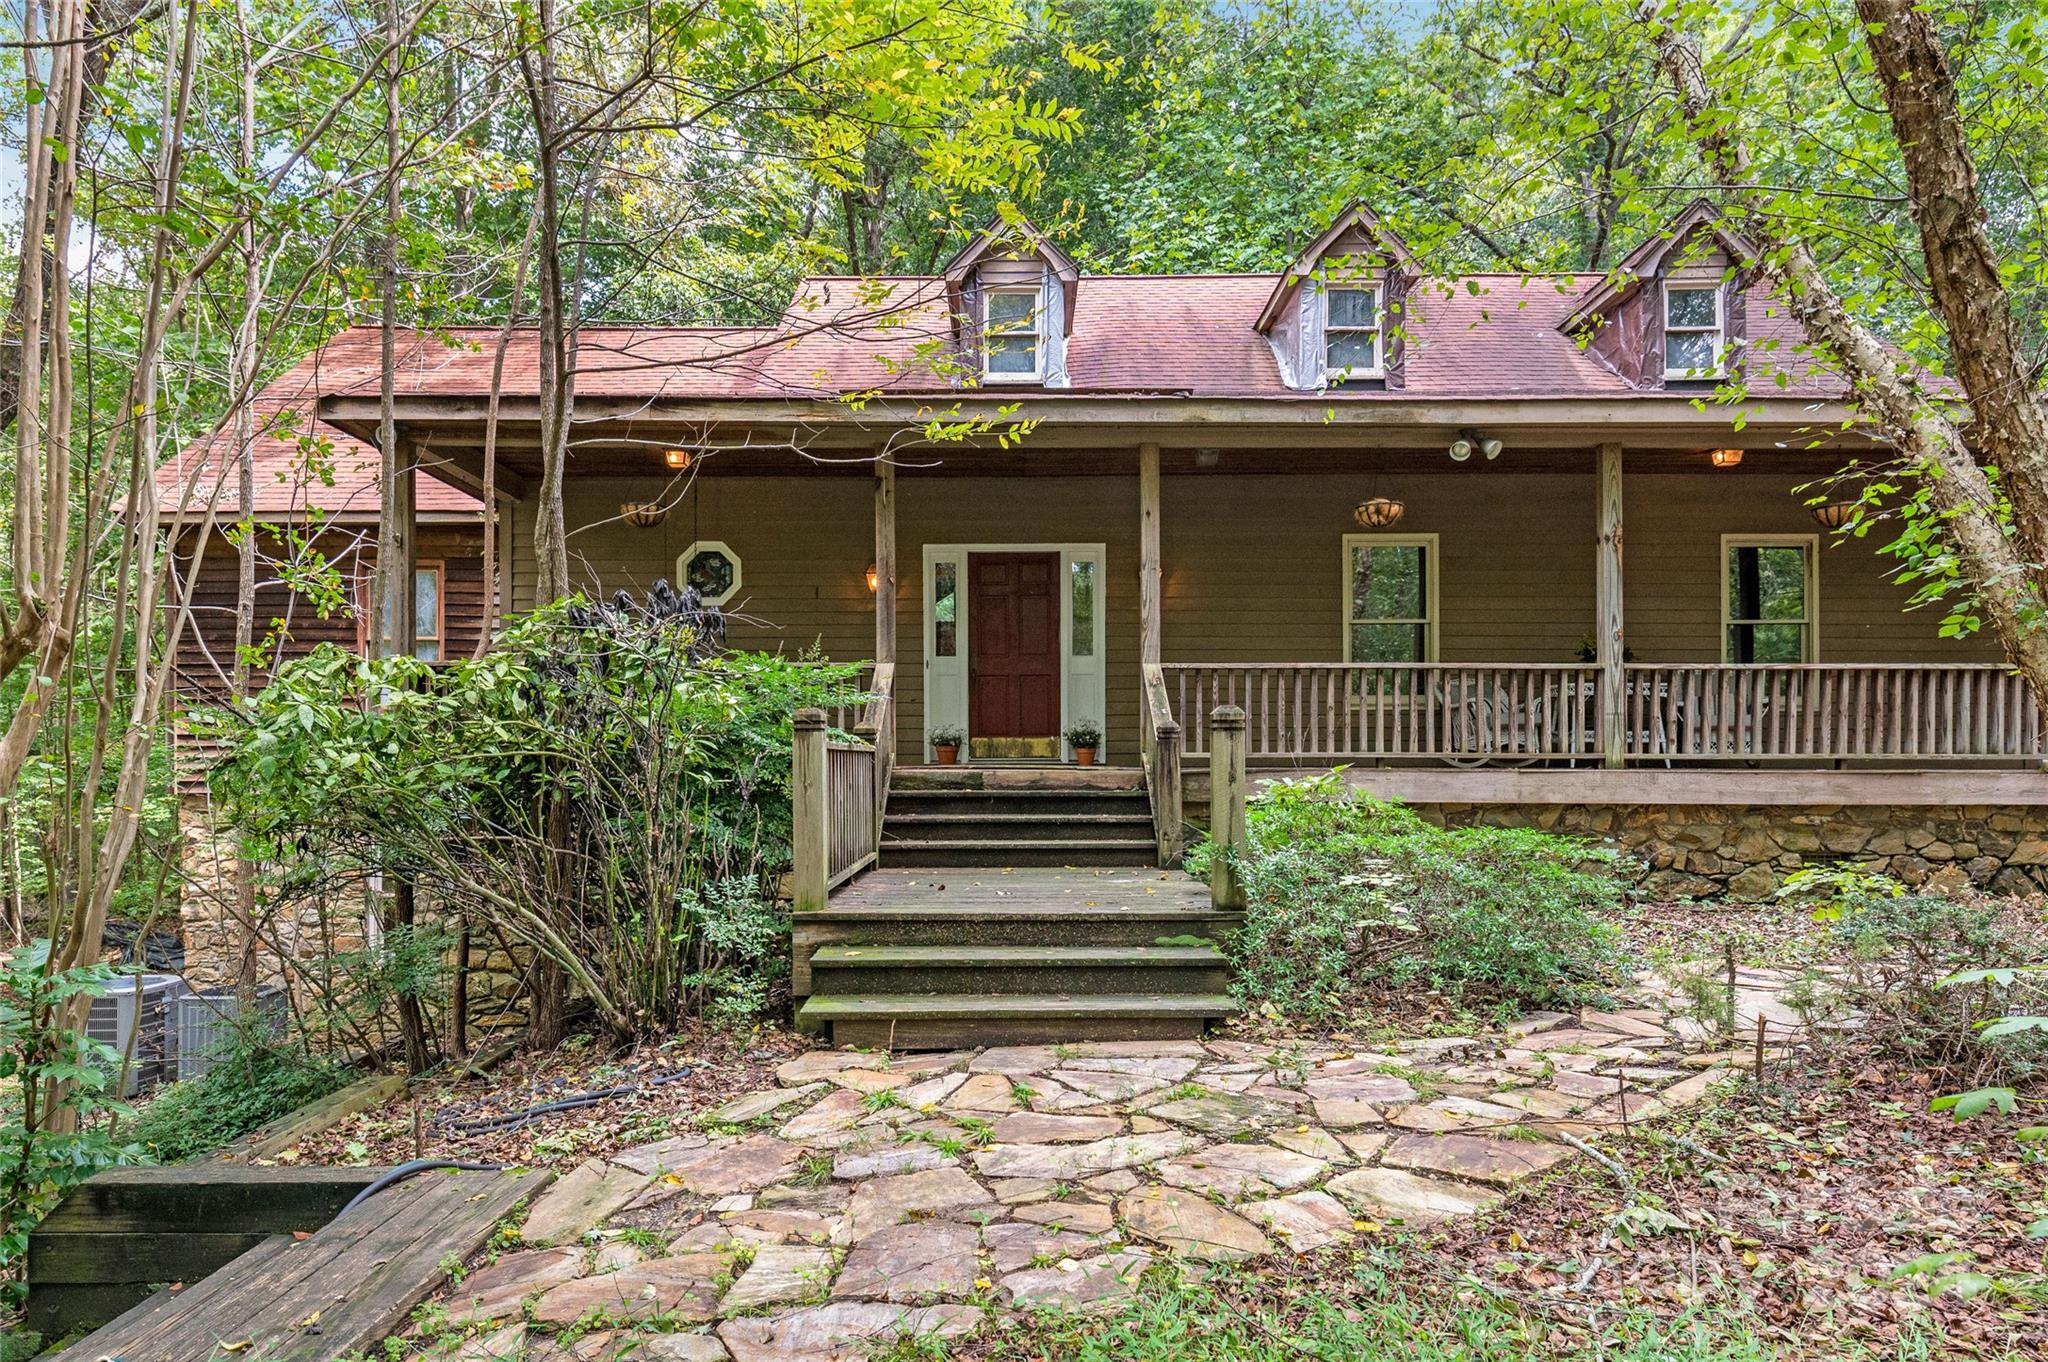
(1011, 350)
(1768, 597)
(1695, 339)
(1351, 332)
(1389, 598)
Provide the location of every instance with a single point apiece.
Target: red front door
(1013, 654)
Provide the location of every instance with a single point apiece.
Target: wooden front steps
(947, 817)
(944, 956)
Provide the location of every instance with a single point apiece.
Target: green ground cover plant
(254, 1078)
(1346, 892)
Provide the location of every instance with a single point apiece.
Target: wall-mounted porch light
(874, 579)
(678, 459)
(1725, 458)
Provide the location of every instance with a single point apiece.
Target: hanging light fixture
(1834, 515)
(642, 515)
(1378, 513)
(1725, 458)
(678, 459)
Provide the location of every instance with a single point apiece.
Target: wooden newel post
(1226, 804)
(1166, 791)
(809, 834)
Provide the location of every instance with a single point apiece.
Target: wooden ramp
(335, 1293)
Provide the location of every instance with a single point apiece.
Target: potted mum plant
(946, 745)
(1086, 739)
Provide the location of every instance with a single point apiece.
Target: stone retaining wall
(1745, 852)
(309, 929)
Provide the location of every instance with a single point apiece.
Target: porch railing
(838, 791)
(1328, 710)
(1501, 714)
(1832, 710)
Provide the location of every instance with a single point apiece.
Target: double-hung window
(1012, 346)
(1695, 339)
(1768, 597)
(430, 620)
(1389, 598)
(1351, 333)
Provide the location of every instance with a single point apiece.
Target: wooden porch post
(1149, 624)
(810, 830)
(1607, 628)
(885, 562)
(1226, 804)
(395, 630)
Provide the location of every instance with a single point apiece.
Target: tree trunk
(2007, 425)
(1991, 562)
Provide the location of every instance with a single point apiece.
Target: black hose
(516, 1119)
(409, 1168)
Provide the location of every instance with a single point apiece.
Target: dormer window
(1351, 334)
(1695, 341)
(1013, 349)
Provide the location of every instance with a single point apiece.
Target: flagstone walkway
(864, 1198)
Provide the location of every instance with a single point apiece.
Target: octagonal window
(711, 567)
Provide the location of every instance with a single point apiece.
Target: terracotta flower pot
(1084, 756)
(946, 755)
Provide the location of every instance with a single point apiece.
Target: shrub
(606, 786)
(1889, 959)
(253, 1080)
(45, 1153)
(1343, 890)
(1510, 914)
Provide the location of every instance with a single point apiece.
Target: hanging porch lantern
(1725, 458)
(678, 459)
(1379, 513)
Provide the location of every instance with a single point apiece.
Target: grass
(1239, 1317)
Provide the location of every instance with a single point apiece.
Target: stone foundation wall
(307, 931)
(1745, 852)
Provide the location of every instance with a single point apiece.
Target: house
(1490, 541)
(316, 505)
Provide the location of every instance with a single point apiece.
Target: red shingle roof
(1470, 337)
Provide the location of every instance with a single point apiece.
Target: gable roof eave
(999, 231)
(1356, 214)
(1632, 270)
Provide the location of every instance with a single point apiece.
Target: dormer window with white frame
(1351, 333)
(1013, 350)
(1695, 332)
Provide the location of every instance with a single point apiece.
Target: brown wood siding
(206, 651)
(1252, 564)
(1671, 572)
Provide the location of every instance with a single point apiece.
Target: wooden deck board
(1027, 890)
(360, 1275)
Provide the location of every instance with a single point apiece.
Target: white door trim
(1081, 678)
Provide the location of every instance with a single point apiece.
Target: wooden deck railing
(1328, 710)
(1482, 714)
(1776, 712)
(838, 789)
